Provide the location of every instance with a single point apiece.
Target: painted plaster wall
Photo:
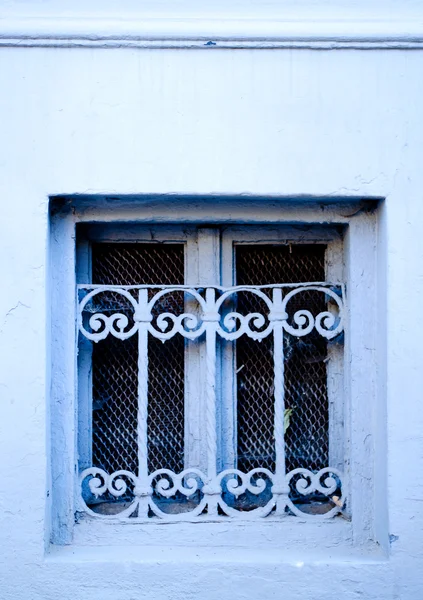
(282, 122)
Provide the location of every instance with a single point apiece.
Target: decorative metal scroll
(206, 496)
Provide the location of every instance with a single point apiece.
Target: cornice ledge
(212, 33)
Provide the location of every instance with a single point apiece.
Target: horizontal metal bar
(91, 286)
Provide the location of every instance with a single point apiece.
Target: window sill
(183, 554)
(270, 534)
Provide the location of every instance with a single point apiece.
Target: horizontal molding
(212, 33)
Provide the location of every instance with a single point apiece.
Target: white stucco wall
(284, 122)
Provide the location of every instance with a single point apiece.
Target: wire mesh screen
(306, 398)
(114, 364)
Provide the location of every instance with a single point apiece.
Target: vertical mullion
(228, 388)
(193, 453)
(208, 241)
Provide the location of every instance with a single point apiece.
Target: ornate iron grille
(306, 401)
(115, 363)
(143, 311)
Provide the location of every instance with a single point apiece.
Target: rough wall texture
(281, 122)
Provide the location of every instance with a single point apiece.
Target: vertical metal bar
(280, 488)
(142, 490)
(211, 401)
(211, 318)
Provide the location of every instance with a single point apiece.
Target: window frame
(360, 377)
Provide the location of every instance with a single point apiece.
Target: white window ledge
(231, 24)
(150, 555)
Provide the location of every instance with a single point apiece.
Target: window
(210, 372)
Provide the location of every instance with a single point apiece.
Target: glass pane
(306, 397)
(115, 364)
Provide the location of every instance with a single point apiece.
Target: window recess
(212, 382)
